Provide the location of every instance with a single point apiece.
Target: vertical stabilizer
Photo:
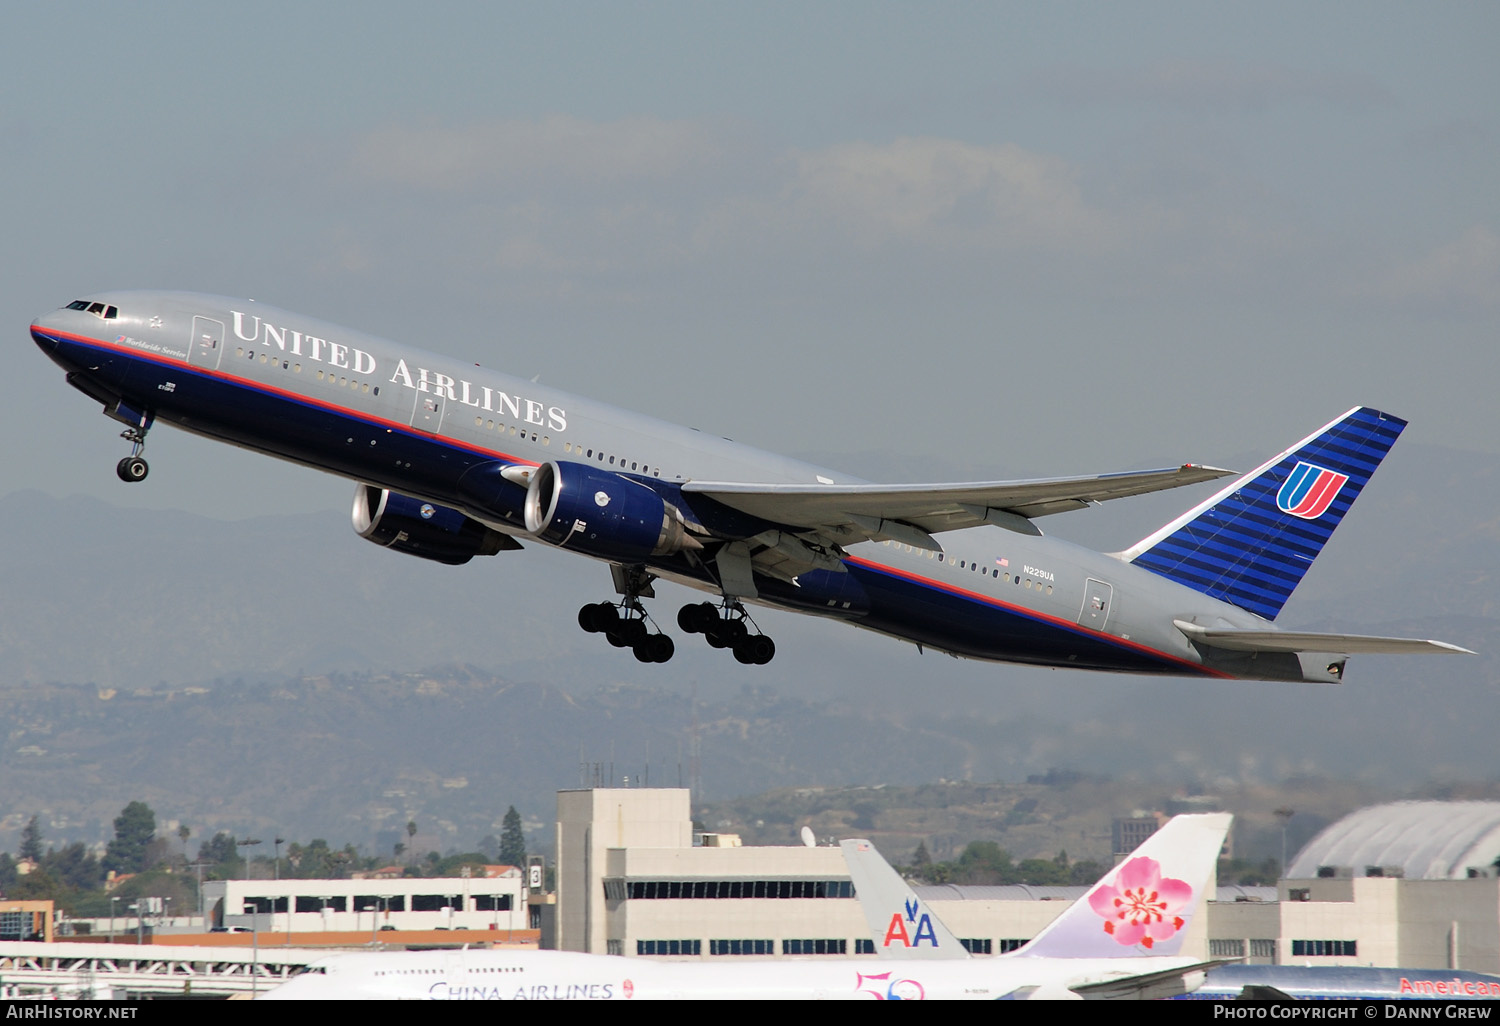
(1250, 544)
(900, 923)
(1145, 904)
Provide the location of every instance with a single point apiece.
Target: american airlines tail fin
(900, 924)
(1250, 544)
(1144, 905)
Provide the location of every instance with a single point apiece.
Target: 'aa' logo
(1308, 491)
(897, 932)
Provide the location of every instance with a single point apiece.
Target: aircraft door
(1097, 598)
(427, 412)
(206, 346)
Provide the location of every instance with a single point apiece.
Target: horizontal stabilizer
(856, 512)
(1250, 640)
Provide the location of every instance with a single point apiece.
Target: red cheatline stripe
(1032, 614)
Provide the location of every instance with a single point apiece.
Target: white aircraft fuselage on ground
(453, 460)
(500, 975)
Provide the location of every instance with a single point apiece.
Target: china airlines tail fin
(1250, 544)
(1144, 905)
(900, 924)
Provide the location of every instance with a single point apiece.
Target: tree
(411, 832)
(512, 840)
(135, 827)
(223, 853)
(31, 841)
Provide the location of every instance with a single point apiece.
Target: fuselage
(476, 975)
(435, 428)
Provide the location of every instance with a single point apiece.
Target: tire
(132, 469)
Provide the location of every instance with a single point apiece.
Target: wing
(1250, 640)
(1151, 986)
(844, 514)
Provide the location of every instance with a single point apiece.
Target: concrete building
(402, 903)
(1398, 886)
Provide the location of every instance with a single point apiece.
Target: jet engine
(420, 528)
(603, 514)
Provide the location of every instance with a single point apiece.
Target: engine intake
(422, 529)
(603, 514)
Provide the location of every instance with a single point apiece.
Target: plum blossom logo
(1141, 907)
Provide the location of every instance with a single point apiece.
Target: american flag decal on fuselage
(1309, 491)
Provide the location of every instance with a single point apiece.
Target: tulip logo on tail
(897, 932)
(1308, 491)
(1141, 906)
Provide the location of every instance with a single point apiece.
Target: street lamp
(278, 843)
(112, 899)
(245, 844)
(1284, 814)
(139, 923)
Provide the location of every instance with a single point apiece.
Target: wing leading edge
(913, 513)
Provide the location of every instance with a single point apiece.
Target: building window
(815, 946)
(977, 945)
(715, 889)
(492, 903)
(433, 902)
(1226, 948)
(669, 947)
(864, 946)
(1324, 948)
(741, 947)
(1012, 943)
(1262, 948)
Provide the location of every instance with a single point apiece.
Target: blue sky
(981, 239)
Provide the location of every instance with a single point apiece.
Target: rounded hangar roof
(1426, 840)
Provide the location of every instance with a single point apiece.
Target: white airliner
(454, 461)
(1122, 939)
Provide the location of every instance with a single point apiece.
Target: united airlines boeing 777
(454, 461)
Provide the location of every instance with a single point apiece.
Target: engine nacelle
(422, 529)
(602, 513)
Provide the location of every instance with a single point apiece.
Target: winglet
(1144, 905)
(900, 923)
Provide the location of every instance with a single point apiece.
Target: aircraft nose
(41, 332)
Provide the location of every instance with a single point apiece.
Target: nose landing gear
(134, 467)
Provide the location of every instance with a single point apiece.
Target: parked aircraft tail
(1250, 544)
(1145, 904)
(900, 924)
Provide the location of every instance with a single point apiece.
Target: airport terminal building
(1402, 885)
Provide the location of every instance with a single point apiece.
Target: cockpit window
(109, 313)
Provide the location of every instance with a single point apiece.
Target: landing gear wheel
(755, 650)
(699, 618)
(598, 617)
(132, 469)
(654, 648)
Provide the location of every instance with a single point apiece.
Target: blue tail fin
(1251, 543)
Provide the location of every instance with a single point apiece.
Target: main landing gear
(134, 467)
(727, 629)
(626, 626)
